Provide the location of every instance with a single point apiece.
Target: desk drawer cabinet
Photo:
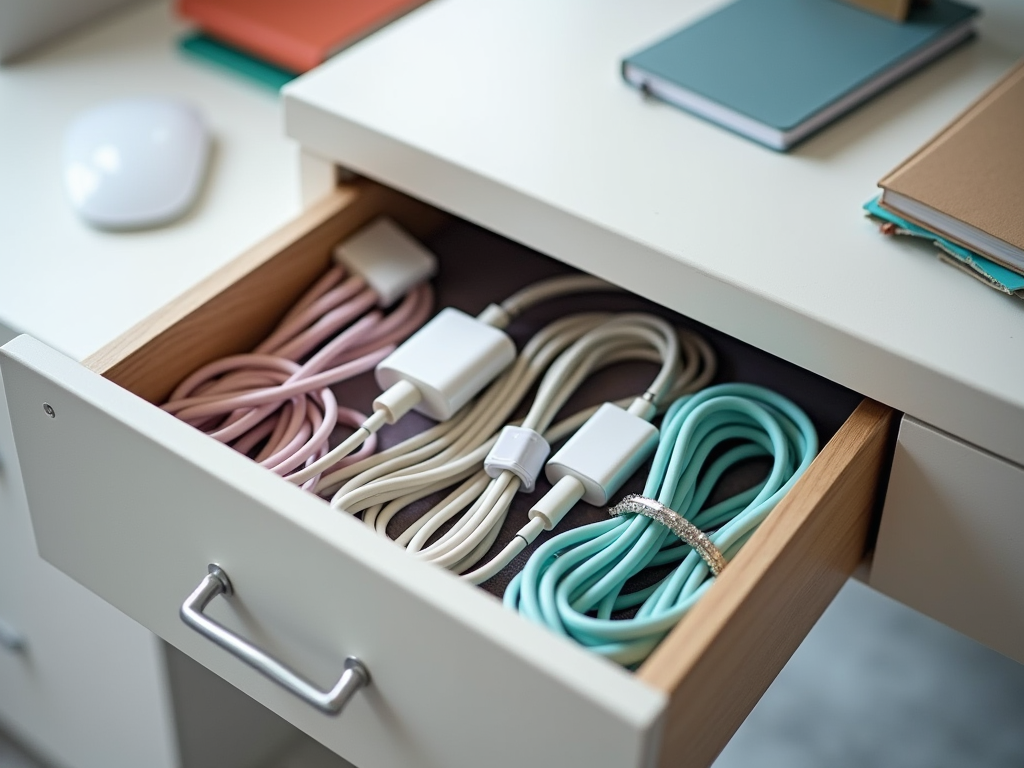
(135, 504)
(949, 541)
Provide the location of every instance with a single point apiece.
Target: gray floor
(874, 684)
(12, 757)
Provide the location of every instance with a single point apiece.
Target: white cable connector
(397, 400)
(605, 451)
(495, 315)
(556, 503)
(644, 406)
(522, 452)
(591, 466)
(388, 258)
(449, 360)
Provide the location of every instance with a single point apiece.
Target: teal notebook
(778, 70)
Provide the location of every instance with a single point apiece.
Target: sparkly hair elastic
(635, 504)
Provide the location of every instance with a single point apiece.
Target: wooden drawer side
(718, 663)
(244, 299)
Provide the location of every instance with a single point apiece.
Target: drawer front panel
(63, 691)
(135, 505)
(949, 541)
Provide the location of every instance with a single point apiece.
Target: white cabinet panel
(951, 534)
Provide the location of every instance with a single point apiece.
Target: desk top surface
(77, 288)
(513, 114)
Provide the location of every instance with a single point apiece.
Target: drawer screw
(48, 409)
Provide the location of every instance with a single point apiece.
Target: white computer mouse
(136, 162)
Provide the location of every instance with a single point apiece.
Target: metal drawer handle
(355, 676)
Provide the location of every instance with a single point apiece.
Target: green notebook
(238, 61)
(778, 70)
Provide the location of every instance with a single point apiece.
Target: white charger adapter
(449, 360)
(388, 258)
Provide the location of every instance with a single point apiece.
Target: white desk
(512, 113)
(75, 287)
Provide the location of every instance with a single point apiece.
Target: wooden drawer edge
(716, 665)
(161, 350)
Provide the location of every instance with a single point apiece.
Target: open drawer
(135, 504)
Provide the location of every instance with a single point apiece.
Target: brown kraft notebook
(967, 183)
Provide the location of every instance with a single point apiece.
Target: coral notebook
(297, 34)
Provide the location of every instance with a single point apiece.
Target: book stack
(274, 41)
(965, 188)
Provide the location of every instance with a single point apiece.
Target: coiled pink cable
(268, 396)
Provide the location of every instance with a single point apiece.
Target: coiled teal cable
(574, 582)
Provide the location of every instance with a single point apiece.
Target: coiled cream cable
(449, 441)
(570, 350)
(618, 339)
